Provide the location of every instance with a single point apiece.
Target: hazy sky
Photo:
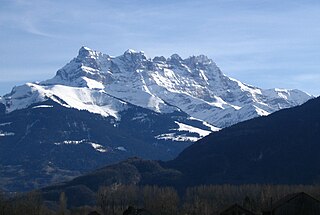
(265, 43)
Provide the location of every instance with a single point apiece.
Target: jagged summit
(132, 51)
(86, 52)
(84, 49)
(194, 85)
(159, 59)
(134, 56)
(200, 59)
(175, 57)
(96, 60)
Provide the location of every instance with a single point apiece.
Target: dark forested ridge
(282, 148)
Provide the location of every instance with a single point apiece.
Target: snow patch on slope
(121, 148)
(42, 106)
(92, 100)
(5, 123)
(4, 134)
(191, 129)
(93, 84)
(182, 127)
(175, 137)
(211, 127)
(98, 147)
(261, 112)
(95, 146)
(70, 142)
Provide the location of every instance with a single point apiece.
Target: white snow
(86, 48)
(4, 134)
(42, 106)
(174, 137)
(261, 112)
(212, 128)
(86, 99)
(5, 123)
(73, 142)
(218, 102)
(188, 128)
(252, 90)
(121, 148)
(131, 51)
(98, 147)
(202, 75)
(191, 129)
(92, 84)
(95, 146)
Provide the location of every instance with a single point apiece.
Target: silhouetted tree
(63, 204)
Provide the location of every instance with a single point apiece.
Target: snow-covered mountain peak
(175, 59)
(196, 60)
(132, 51)
(161, 59)
(133, 56)
(194, 85)
(85, 52)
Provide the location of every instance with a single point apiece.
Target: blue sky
(265, 43)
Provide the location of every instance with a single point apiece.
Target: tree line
(199, 200)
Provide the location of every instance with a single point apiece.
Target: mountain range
(100, 109)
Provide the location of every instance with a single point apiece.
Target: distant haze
(264, 43)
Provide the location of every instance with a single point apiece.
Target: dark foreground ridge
(281, 148)
(133, 171)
